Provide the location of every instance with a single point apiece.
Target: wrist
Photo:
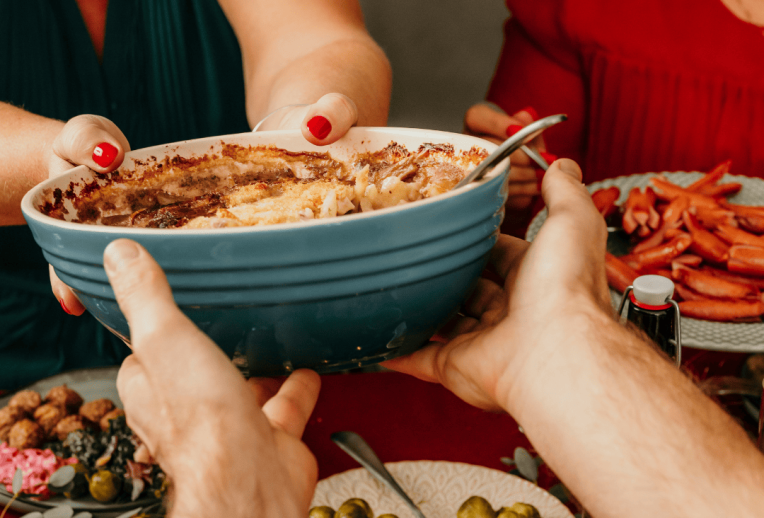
(562, 338)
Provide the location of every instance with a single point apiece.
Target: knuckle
(346, 106)
(136, 284)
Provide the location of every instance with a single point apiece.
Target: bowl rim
(31, 212)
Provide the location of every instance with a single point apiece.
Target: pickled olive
(104, 486)
(350, 510)
(362, 504)
(506, 512)
(321, 511)
(525, 510)
(476, 507)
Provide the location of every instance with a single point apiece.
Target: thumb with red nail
(329, 119)
(88, 140)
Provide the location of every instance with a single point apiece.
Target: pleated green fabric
(171, 70)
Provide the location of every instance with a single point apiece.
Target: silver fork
(354, 445)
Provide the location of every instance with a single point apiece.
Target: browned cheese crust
(248, 186)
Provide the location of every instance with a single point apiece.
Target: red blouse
(653, 85)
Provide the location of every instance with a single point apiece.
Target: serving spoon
(509, 146)
(354, 445)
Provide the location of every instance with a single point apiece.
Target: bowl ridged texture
(326, 296)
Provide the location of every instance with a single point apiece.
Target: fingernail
(119, 254)
(512, 129)
(63, 306)
(320, 127)
(549, 157)
(530, 111)
(104, 154)
(568, 166)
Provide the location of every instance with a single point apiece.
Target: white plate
(701, 334)
(438, 488)
(91, 384)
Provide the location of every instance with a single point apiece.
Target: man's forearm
(627, 432)
(25, 143)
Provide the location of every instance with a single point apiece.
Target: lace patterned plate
(701, 334)
(438, 488)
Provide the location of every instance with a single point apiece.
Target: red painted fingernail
(63, 306)
(104, 154)
(438, 338)
(549, 157)
(320, 127)
(512, 129)
(530, 111)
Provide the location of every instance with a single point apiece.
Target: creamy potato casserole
(262, 185)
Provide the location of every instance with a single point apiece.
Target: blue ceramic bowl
(327, 294)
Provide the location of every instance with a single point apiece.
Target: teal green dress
(171, 70)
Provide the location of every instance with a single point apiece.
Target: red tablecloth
(403, 418)
(406, 419)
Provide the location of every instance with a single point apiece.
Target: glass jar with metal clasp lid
(650, 307)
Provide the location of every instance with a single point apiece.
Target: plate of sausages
(704, 231)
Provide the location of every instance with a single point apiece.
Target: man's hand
(199, 418)
(563, 269)
(625, 431)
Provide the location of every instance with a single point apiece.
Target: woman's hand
(322, 122)
(547, 284)
(488, 122)
(198, 417)
(95, 142)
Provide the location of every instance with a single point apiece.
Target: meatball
(65, 397)
(27, 400)
(95, 410)
(68, 424)
(9, 416)
(48, 416)
(109, 416)
(26, 434)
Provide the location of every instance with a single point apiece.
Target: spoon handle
(354, 445)
(509, 146)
